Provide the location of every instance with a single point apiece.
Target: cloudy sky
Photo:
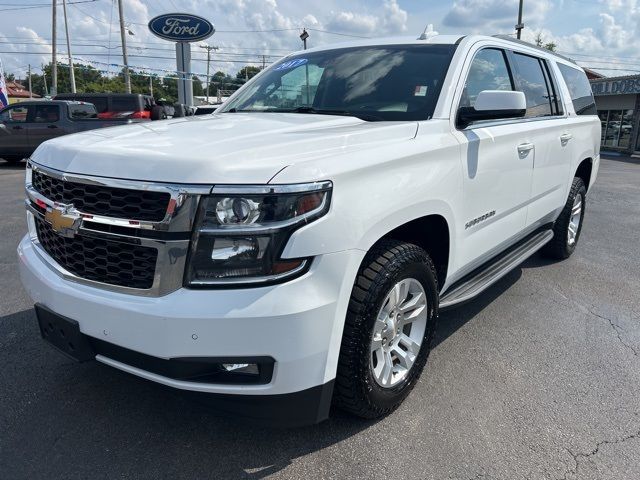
(602, 34)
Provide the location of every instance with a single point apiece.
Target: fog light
(250, 368)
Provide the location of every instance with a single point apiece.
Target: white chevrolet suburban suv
(293, 249)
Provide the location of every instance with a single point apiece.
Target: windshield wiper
(320, 111)
(316, 111)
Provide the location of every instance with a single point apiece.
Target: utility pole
(44, 79)
(263, 62)
(150, 85)
(304, 35)
(123, 38)
(208, 48)
(72, 76)
(520, 25)
(54, 43)
(30, 91)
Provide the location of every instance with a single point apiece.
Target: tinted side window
(531, 81)
(488, 71)
(125, 104)
(580, 90)
(81, 111)
(14, 114)
(46, 113)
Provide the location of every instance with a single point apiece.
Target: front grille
(105, 261)
(100, 200)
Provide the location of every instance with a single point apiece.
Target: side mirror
(493, 105)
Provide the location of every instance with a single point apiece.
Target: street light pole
(208, 48)
(72, 76)
(520, 25)
(123, 39)
(54, 44)
(303, 36)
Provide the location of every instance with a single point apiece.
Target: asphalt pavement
(537, 379)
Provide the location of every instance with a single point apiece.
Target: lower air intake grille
(100, 260)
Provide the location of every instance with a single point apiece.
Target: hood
(224, 148)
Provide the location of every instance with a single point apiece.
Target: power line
(41, 5)
(336, 33)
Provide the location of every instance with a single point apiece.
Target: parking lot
(537, 379)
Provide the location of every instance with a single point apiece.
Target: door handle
(17, 127)
(525, 148)
(52, 126)
(564, 138)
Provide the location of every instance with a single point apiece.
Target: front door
(43, 124)
(13, 134)
(497, 164)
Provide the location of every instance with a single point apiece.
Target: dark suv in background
(110, 105)
(128, 105)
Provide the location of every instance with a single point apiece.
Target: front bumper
(298, 323)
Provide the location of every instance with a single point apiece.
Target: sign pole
(183, 65)
(182, 28)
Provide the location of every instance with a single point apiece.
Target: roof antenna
(428, 33)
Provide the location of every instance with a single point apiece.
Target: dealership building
(618, 104)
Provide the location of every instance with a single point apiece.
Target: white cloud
(493, 16)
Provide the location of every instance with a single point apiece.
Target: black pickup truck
(25, 125)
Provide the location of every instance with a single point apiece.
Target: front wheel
(567, 228)
(388, 330)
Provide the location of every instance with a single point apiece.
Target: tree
(539, 41)
(247, 72)
(198, 90)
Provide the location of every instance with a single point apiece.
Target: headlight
(240, 232)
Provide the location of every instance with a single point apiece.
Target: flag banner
(4, 95)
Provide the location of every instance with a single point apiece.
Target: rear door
(13, 137)
(549, 134)
(44, 122)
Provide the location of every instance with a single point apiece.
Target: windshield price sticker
(420, 91)
(291, 64)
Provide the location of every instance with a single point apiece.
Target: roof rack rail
(531, 45)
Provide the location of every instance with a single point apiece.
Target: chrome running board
(497, 268)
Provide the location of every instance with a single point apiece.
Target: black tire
(559, 247)
(356, 390)
(179, 110)
(158, 113)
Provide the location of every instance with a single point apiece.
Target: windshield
(391, 82)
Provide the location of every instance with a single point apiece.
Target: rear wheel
(567, 228)
(388, 329)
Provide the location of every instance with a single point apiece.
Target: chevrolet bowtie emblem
(62, 221)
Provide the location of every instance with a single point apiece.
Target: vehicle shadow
(453, 319)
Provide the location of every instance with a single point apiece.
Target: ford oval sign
(181, 27)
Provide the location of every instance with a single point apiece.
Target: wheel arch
(584, 171)
(430, 232)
